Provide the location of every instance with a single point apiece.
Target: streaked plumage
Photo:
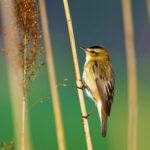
(98, 78)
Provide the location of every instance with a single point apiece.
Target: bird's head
(96, 52)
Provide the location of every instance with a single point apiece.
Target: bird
(98, 81)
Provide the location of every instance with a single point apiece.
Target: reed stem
(77, 75)
(148, 8)
(131, 73)
(24, 93)
(52, 77)
(15, 74)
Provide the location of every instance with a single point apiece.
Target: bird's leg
(89, 113)
(80, 84)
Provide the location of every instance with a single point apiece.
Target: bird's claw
(80, 84)
(86, 116)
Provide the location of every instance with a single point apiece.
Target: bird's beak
(84, 49)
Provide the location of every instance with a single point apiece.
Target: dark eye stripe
(93, 52)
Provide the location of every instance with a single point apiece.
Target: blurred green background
(95, 23)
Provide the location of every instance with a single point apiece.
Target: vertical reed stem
(24, 93)
(132, 77)
(15, 72)
(77, 75)
(23, 123)
(148, 8)
(52, 77)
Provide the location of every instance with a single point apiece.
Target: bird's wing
(104, 78)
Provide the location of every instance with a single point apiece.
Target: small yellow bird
(98, 81)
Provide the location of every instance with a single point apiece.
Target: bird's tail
(103, 118)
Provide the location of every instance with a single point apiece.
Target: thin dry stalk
(132, 77)
(15, 74)
(148, 8)
(77, 75)
(24, 93)
(27, 16)
(52, 77)
(23, 138)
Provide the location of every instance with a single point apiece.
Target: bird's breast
(89, 80)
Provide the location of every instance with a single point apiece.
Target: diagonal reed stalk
(132, 77)
(77, 75)
(148, 8)
(15, 72)
(52, 77)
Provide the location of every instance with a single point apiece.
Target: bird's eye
(92, 52)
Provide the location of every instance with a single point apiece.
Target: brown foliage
(27, 14)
